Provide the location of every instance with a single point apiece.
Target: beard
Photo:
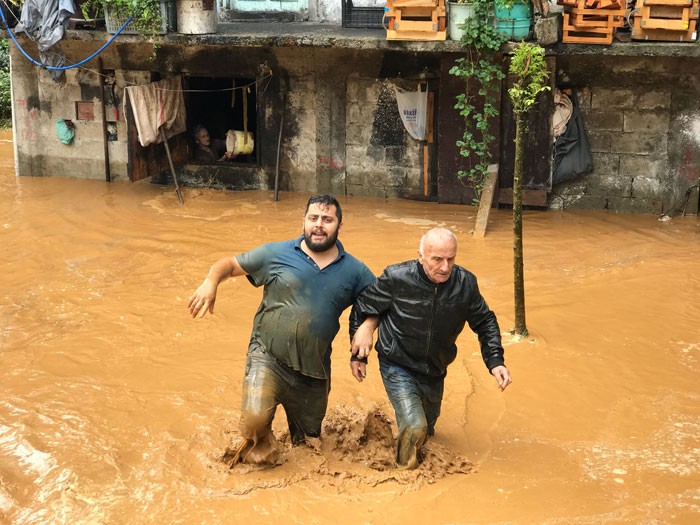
(321, 246)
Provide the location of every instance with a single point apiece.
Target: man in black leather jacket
(421, 307)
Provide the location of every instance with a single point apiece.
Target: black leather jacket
(420, 320)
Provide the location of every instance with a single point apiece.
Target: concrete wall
(39, 101)
(324, 11)
(342, 132)
(643, 123)
(382, 158)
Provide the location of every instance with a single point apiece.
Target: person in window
(207, 149)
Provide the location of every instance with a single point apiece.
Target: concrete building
(319, 100)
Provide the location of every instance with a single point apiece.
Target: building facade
(319, 101)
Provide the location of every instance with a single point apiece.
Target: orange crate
(585, 35)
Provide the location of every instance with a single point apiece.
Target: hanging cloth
(412, 108)
(45, 21)
(158, 104)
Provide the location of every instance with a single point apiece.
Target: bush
(5, 99)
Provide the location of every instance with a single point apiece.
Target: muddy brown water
(116, 407)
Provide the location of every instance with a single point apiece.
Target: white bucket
(197, 17)
(239, 142)
(457, 14)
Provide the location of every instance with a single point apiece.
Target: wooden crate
(664, 35)
(595, 4)
(679, 3)
(667, 16)
(592, 21)
(609, 18)
(666, 20)
(585, 35)
(416, 20)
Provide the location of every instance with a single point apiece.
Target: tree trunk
(519, 279)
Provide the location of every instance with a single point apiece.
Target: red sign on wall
(85, 111)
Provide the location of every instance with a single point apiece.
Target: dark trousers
(416, 400)
(269, 383)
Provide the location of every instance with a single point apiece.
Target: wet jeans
(269, 383)
(416, 400)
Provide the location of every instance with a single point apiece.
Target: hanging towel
(412, 108)
(158, 104)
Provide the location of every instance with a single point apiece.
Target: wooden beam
(486, 201)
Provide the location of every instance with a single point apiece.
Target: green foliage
(5, 98)
(482, 72)
(528, 66)
(146, 13)
(4, 55)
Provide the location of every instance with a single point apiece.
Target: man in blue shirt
(308, 282)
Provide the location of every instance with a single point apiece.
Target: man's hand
(362, 341)
(359, 370)
(203, 299)
(502, 376)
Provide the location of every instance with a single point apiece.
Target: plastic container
(239, 142)
(113, 21)
(362, 17)
(516, 22)
(456, 16)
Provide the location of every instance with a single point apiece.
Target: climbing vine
(482, 72)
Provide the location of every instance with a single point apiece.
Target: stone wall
(299, 145)
(39, 101)
(382, 159)
(341, 129)
(642, 125)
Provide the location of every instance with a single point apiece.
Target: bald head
(437, 253)
(436, 236)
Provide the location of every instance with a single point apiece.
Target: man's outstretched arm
(203, 299)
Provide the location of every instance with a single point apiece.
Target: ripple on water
(214, 207)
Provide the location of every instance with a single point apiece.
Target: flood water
(116, 407)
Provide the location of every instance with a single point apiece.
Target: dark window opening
(222, 106)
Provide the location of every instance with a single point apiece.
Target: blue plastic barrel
(514, 22)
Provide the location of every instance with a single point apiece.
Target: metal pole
(108, 175)
(279, 147)
(172, 168)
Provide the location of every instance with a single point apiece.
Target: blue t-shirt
(298, 317)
